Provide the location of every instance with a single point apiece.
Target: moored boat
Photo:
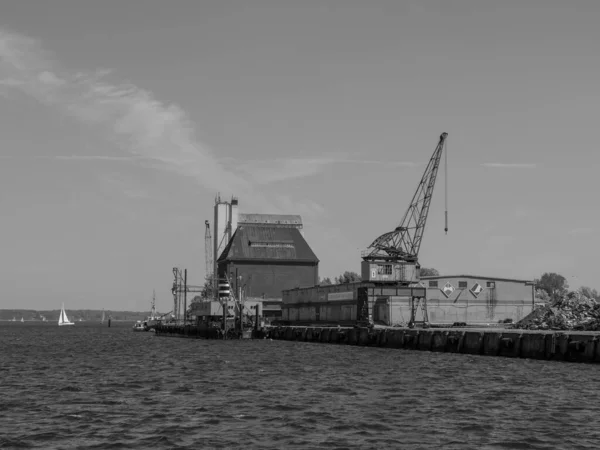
(153, 319)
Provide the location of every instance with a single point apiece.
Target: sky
(123, 119)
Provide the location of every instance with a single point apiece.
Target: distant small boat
(63, 319)
(102, 321)
(139, 326)
(22, 320)
(14, 320)
(153, 319)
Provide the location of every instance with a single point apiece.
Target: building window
(491, 284)
(271, 244)
(433, 283)
(384, 269)
(462, 285)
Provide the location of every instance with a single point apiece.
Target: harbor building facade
(266, 255)
(464, 299)
(476, 299)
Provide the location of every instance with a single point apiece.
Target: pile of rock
(571, 312)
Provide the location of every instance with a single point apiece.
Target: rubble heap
(574, 311)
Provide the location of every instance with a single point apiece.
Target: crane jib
(402, 245)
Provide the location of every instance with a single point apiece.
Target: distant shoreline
(87, 315)
(89, 311)
(77, 321)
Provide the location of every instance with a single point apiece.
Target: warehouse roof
(438, 277)
(265, 243)
(270, 219)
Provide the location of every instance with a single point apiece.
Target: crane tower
(394, 256)
(208, 254)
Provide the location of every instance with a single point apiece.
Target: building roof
(267, 243)
(438, 277)
(270, 220)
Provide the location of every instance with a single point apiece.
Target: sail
(63, 319)
(64, 315)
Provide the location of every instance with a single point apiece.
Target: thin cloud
(153, 133)
(93, 158)
(272, 171)
(511, 165)
(126, 186)
(162, 134)
(378, 162)
(581, 230)
(72, 157)
(275, 170)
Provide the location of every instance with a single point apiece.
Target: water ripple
(92, 387)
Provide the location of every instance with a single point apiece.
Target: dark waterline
(90, 386)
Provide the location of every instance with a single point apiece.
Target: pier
(203, 332)
(568, 346)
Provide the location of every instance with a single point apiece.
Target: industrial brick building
(477, 300)
(267, 254)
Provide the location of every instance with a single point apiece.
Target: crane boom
(400, 248)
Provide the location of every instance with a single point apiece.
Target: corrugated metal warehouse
(475, 299)
(268, 254)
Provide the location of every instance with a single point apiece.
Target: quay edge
(568, 346)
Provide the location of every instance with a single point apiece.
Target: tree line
(352, 277)
(554, 286)
(550, 286)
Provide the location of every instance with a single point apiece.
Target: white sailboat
(63, 319)
(22, 320)
(102, 321)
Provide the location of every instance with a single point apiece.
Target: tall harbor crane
(394, 256)
(208, 255)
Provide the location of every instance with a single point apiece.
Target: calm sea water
(90, 386)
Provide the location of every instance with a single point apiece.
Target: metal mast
(153, 309)
(403, 243)
(208, 253)
(177, 290)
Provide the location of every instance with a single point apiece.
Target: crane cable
(446, 184)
